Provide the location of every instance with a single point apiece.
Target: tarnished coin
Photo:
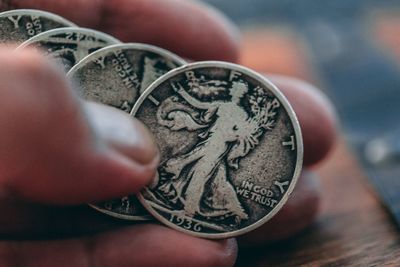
(127, 208)
(231, 149)
(70, 45)
(116, 76)
(20, 25)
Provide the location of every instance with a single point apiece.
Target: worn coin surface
(231, 149)
(127, 208)
(70, 45)
(20, 25)
(116, 76)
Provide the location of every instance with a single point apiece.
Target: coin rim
(42, 36)
(292, 115)
(45, 14)
(121, 216)
(127, 46)
(106, 51)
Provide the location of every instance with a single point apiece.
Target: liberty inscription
(226, 165)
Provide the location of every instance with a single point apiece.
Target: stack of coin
(230, 143)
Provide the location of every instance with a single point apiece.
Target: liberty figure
(199, 180)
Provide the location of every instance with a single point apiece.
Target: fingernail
(126, 134)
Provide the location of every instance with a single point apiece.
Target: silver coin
(20, 25)
(127, 208)
(116, 76)
(70, 45)
(231, 149)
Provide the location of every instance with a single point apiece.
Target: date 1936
(186, 223)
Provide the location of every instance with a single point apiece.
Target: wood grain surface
(353, 228)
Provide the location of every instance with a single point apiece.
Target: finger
(143, 245)
(191, 29)
(49, 151)
(316, 116)
(35, 221)
(296, 215)
(27, 220)
(126, 134)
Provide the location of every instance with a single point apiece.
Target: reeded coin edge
(29, 12)
(291, 114)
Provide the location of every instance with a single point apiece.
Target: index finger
(140, 245)
(190, 29)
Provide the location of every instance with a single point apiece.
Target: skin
(151, 21)
(58, 153)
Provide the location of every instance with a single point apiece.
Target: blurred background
(350, 49)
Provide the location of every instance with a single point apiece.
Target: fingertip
(191, 29)
(89, 179)
(50, 153)
(33, 62)
(228, 47)
(125, 134)
(127, 155)
(9, 54)
(88, 13)
(218, 253)
(154, 242)
(224, 255)
(140, 245)
(230, 252)
(316, 115)
(299, 212)
(144, 145)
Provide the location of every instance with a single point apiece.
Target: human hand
(50, 156)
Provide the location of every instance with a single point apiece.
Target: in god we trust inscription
(231, 149)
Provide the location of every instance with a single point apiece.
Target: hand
(57, 151)
(317, 119)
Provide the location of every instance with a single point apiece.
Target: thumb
(55, 150)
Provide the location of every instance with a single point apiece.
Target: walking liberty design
(231, 118)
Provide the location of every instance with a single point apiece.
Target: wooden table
(353, 228)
